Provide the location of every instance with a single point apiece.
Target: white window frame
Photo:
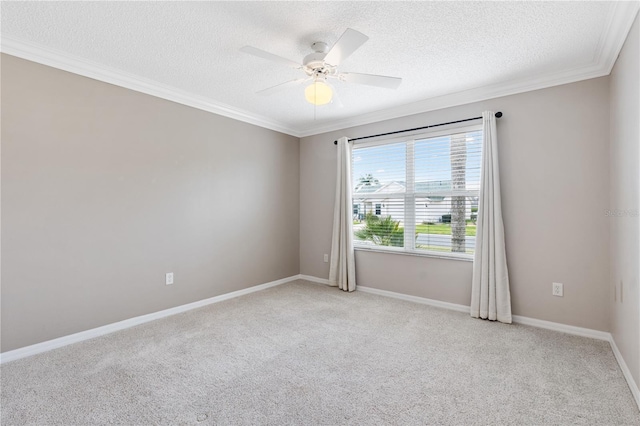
(410, 195)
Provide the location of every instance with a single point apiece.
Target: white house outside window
(418, 194)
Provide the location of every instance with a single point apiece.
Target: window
(418, 194)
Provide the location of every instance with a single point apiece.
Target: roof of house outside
(399, 186)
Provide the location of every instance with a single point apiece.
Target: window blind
(419, 194)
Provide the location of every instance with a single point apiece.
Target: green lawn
(443, 229)
(436, 229)
(439, 248)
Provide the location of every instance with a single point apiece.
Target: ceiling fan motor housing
(320, 47)
(314, 63)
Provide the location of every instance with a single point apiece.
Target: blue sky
(433, 162)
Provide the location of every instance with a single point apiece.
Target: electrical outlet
(326, 258)
(169, 278)
(558, 289)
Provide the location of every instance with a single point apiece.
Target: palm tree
(367, 180)
(382, 231)
(458, 203)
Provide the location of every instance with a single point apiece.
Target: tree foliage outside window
(367, 180)
(381, 231)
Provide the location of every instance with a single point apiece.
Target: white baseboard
(131, 322)
(313, 279)
(625, 371)
(555, 326)
(416, 299)
(563, 328)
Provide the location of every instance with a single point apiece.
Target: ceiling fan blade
(281, 86)
(269, 56)
(371, 80)
(348, 43)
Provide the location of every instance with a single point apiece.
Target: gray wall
(625, 197)
(554, 155)
(104, 190)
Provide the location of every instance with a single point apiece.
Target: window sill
(447, 256)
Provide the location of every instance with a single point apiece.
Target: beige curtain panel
(342, 270)
(490, 296)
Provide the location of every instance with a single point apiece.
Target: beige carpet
(308, 354)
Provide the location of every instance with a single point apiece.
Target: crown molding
(617, 28)
(461, 98)
(74, 64)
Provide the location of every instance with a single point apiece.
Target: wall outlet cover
(557, 289)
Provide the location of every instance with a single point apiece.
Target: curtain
(490, 297)
(342, 270)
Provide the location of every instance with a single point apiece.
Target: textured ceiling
(438, 48)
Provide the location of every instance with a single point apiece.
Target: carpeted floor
(308, 354)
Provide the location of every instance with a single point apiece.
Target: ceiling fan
(322, 65)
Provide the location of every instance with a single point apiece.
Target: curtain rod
(498, 115)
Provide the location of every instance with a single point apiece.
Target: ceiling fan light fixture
(322, 65)
(318, 93)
